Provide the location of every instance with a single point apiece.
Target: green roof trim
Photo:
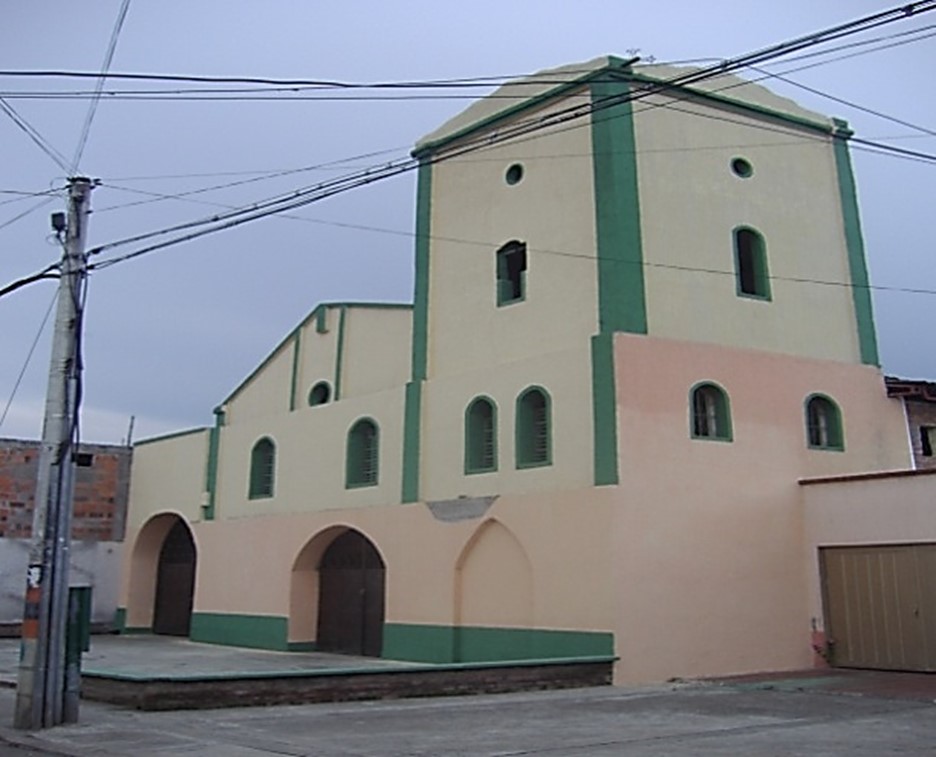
(302, 324)
(172, 435)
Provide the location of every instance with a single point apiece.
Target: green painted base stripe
(861, 291)
(136, 630)
(473, 644)
(412, 420)
(255, 631)
(621, 297)
(604, 410)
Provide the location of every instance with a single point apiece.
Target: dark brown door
(351, 597)
(175, 583)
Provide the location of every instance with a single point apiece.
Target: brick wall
(102, 485)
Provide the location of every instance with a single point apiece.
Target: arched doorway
(175, 582)
(351, 597)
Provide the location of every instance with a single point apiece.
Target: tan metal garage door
(880, 605)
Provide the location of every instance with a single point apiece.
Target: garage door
(880, 605)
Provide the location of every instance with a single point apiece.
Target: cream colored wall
(690, 202)
(317, 357)
(864, 511)
(708, 534)
(565, 374)
(376, 350)
(474, 213)
(267, 392)
(565, 537)
(310, 458)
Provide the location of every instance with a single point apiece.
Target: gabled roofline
(323, 306)
(620, 68)
(171, 435)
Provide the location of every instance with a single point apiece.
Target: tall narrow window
(362, 454)
(480, 436)
(824, 424)
(751, 264)
(533, 433)
(262, 469)
(927, 437)
(511, 273)
(711, 415)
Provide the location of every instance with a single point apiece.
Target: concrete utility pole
(40, 686)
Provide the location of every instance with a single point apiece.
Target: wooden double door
(352, 579)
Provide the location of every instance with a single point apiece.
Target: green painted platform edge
(474, 644)
(250, 631)
(412, 667)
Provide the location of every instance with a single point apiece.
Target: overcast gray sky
(169, 335)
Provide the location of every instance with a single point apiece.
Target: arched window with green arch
(710, 413)
(363, 454)
(824, 423)
(753, 279)
(481, 436)
(533, 430)
(262, 469)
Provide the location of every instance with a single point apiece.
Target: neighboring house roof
(910, 389)
(531, 91)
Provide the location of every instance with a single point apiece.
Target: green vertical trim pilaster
(211, 468)
(295, 370)
(412, 418)
(421, 293)
(621, 297)
(339, 354)
(321, 324)
(854, 243)
(604, 410)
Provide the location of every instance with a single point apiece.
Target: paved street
(694, 719)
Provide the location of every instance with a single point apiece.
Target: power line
(32, 348)
(34, 135)
(108, 58)
(26, 212)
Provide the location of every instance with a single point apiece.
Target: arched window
(533, 433)
(823, 424)
(710, 413)
(262, 469)
(511, 273)
(751, 264)
(481, 436)
(319, 394)
(362, 455)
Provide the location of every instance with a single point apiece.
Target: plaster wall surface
(709, 534)
(318, 355)
(690, 204)
(376, 354)
(564, 374)
(474, 212)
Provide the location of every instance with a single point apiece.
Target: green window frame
(710, 413)
(511, 263)
(533, 428)
(481, 436)
(320, 394)
(824, 424)
(262, 469)
(751, 275)
(363, 454)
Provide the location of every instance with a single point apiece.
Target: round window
(741, 167)
(514, 174)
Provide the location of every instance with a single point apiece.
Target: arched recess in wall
(163, 568)
(337, 593)
(493, 589)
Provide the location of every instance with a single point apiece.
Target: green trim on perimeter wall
(621, 298)
(211, 465)
(254, 631)
(421, 293)
(120, 619)
(297, 340)
(412, 418)
(167, 437)
(861, 291)
(339, 353)
(442, 644)
(604, 410)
